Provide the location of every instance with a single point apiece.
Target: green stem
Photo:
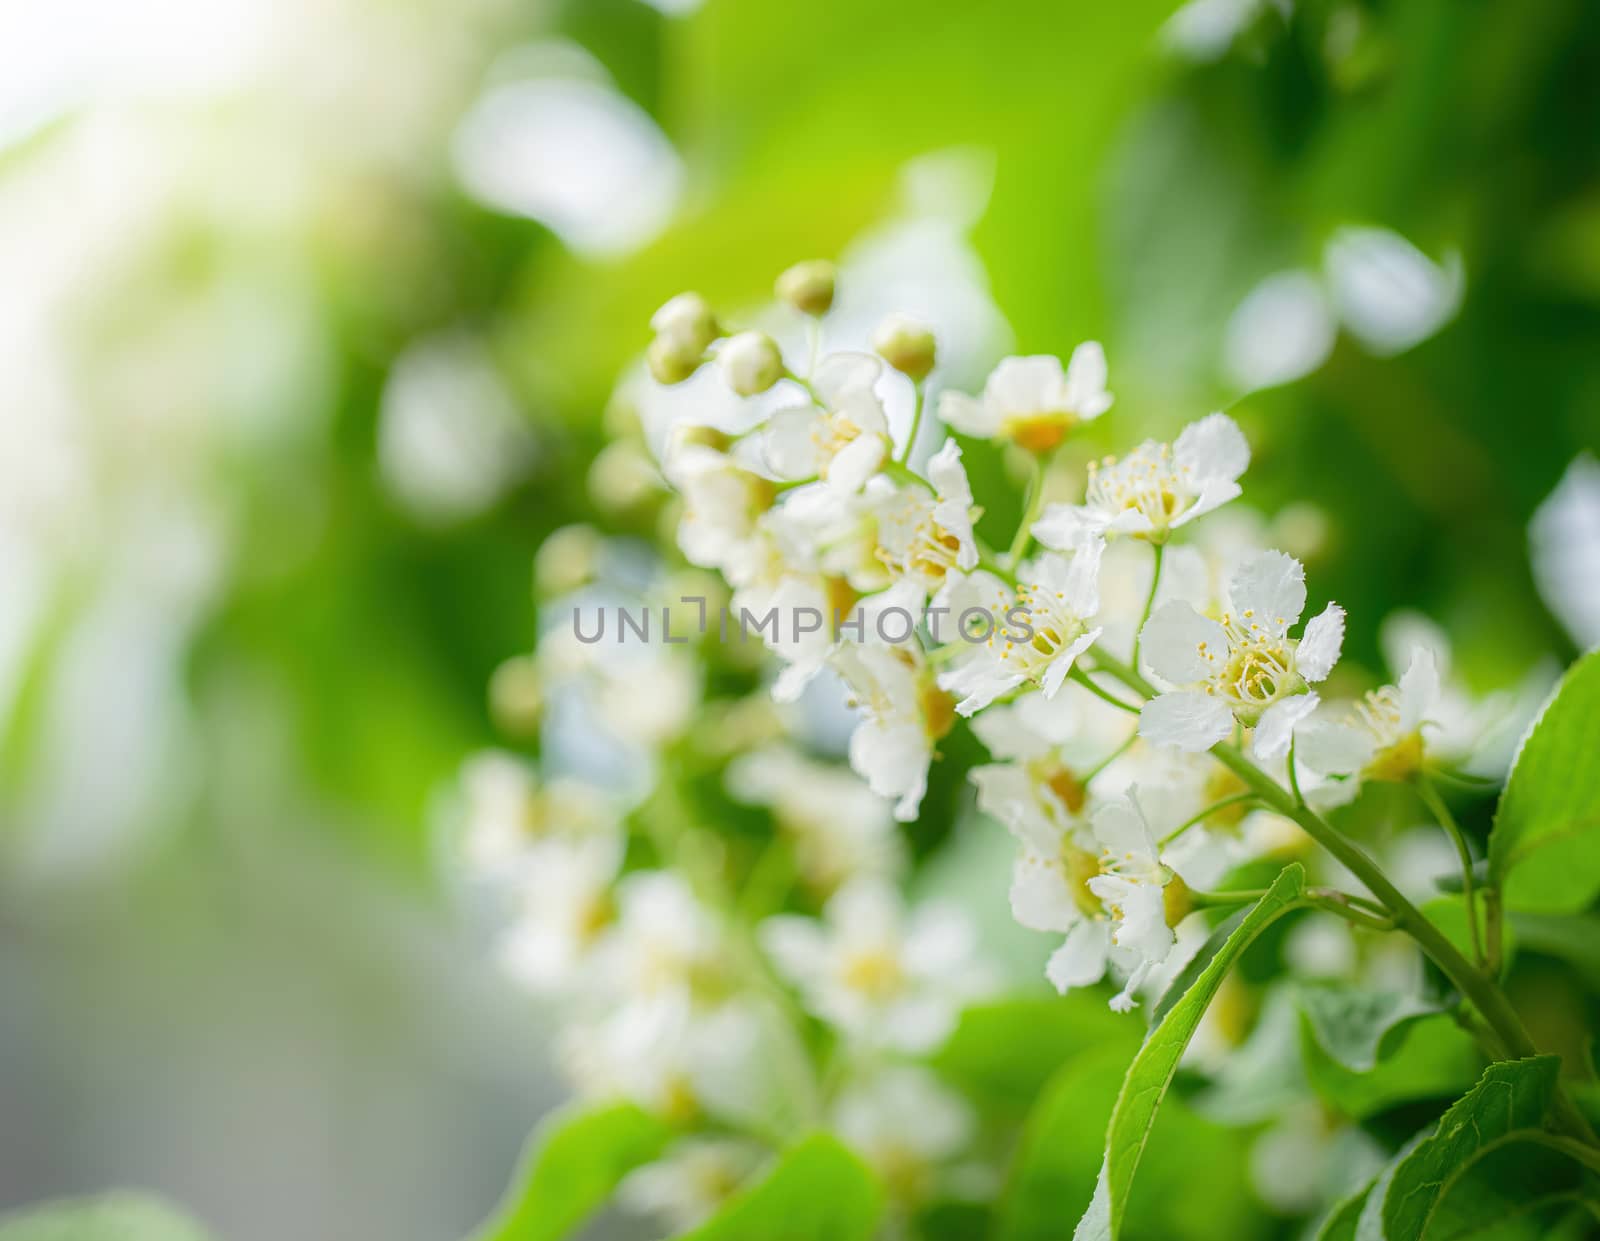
(1082, 678)
(1234, 800)
(1149, 601)
(1294, 776)
(1473, 984)
(1215, 900)
(1441, 812)
(1343, 905)
(1111, 758)
(918, 404)
(1030, 514)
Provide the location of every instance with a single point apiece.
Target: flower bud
(688, 321)
(808, 286)
(567, 559)
(906, 345)
(623, 476)
(751, 363)
(516, 697)
(671, 361)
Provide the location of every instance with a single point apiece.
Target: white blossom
(928, 538)
(1036, 633)
(1155, 489)
(903, 714)
(1244, 667)
(665, 941)
(691, 1181)
(907, 1127)
(839, 827)
(884, 975)
(722, 502)
(1032, 401)
(845, 440)
(509, 810)
(1099, 880)
(564, 909)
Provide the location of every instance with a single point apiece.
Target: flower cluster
(733, 995)
(1117, 673)
(1121, 660)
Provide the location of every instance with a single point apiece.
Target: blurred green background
(312, 314)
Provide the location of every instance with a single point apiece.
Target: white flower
(683, 1061)
(750, 362)
(563, 897)
(1035, 635)
(722, 502)
(1155, 489)
(839, 827)
(1246, 667)
(904, 714)
(691, 1181)
(1380, 736)
(881, 974)
(1132, 886)
(509, 811)
(665, 940)
(1101, 882)
(1032, 401)
(928, 539)
(843, 442)
(906, 1126)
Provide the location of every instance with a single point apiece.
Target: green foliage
(818, 1191)
(1432, 1058)
(1054, 1170)
(1343, 1219)
(1151, 1073)
(112, 1217)
(1358, 1028)
(1404, 1203)
(1544, 851)
(572, 1165)
(1006, 1051)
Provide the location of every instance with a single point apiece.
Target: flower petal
(1213, 449)
(1023, 386)
(1320, 645)
(1419, 689)
(840, 375)
(1082, 959)
(1181, 645)
(1275, 730)
(1086, 381)
(789, 445)
(1270, 589)
(1041, 898)
(1189, 719)
(1066, 527)
(1332, 747)
(967, 414)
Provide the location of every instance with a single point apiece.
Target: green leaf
(1152, 1069)
(1055, 1167)
(1544, 851)
(1511, 1095)
(1518, 1185)
(1358, 1028)
(112, 1217)
(1434, 1059)
(1007, 1050)
(818, 1191)
(1341, 1222)
(570, 1168)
